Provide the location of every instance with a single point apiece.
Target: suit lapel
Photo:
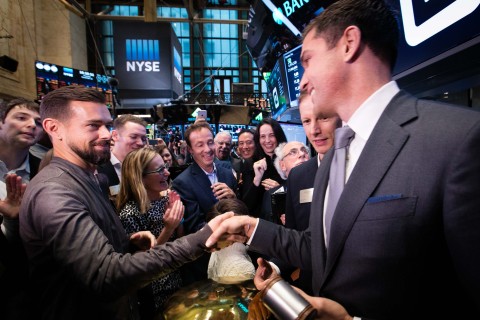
(202, 180)
(383, 146)
(316, 220)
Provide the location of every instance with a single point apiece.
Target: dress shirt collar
(212, 176)
(366, 116)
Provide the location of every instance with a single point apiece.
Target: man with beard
(82, 263)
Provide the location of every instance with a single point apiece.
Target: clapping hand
(10, 206)
(175, 211)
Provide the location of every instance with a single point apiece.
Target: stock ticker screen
(50, 76)
(294, 73)
(277, 89)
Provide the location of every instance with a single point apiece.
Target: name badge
(114, 190)
(306, 195)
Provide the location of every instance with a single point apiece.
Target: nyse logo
(142, 55)
(416, 34)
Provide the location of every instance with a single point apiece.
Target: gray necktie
(343, 136)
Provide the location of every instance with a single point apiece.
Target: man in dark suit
(200, 186)
(320, 134)
(404, 237)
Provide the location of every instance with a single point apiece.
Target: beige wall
(42, 30)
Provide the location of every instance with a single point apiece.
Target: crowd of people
(111, 227)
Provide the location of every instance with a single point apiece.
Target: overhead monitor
(294, 73)
(277, 89)
(294, 132)
(51, 76)
(233, 129)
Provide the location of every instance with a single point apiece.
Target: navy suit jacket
(405, 237)
(297, 216)
(195, 190)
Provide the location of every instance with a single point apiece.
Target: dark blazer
(405, 234)
(194, 189)
(109, 171)
(302, 177)
(297, 213)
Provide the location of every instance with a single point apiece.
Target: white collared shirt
(212, 176)
(362, 122)
(117, 165)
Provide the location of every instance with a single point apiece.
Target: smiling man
(20, 128)
(129, 133)
(200, 186)
(82, 263)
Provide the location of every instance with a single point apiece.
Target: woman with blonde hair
(141, 206)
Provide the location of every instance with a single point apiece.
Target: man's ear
(114, 135)
(53, 128)
(351, 41)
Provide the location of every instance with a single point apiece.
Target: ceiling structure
(93, 9)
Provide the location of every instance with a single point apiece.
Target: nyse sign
(142, 55)
(143, 66)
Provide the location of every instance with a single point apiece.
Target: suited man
(200, 186)
(129, 133)
(406, 225)
(299, 185)
(243, 166)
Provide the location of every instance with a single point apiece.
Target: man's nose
(303, 84)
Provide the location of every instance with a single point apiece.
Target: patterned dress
(152, 220)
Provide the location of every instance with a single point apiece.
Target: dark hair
(120, 121)
(245, 130)
(6, 107)
(196, 127)
(277, 131)
(159, 149)
(225, 205)
(375, 19)
(56, 103)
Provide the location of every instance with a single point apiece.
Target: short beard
(92, 157)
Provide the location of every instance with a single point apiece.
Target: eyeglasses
(295, 152)
(160, 170)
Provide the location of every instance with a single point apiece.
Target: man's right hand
(10, 206)
(227, 227)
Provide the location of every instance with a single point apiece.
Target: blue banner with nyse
(145, 61)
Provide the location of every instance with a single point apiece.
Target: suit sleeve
(194, 218)
(291, 246)
(461, 217)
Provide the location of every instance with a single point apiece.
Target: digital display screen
(294, 132)
(234, 129)
(430, 28)
(51, 76)
(185, 127)
(294, 73)
(277, 89)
